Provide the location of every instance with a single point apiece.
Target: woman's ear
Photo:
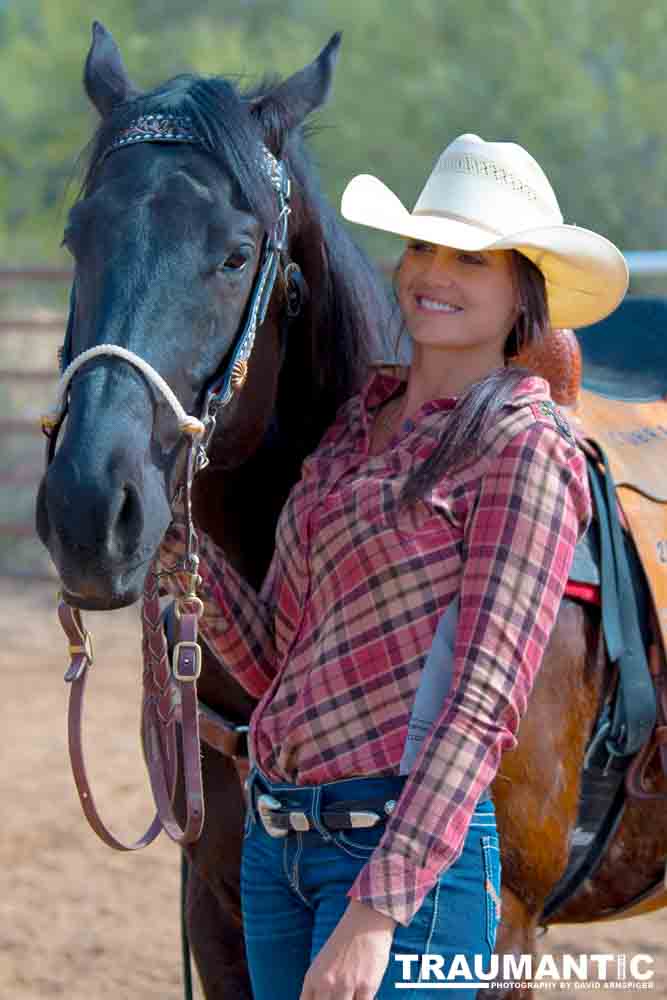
(105, 78)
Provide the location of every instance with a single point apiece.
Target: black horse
(166, 240)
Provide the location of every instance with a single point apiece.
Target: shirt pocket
(378, 503)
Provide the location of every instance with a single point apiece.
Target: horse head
(167, 238)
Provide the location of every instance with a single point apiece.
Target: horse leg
(516, 937)
(213, 908)
(216, 942)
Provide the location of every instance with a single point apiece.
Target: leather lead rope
(81, 660)
(170, 696)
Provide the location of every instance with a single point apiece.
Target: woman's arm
(519, 539)
(238, 622)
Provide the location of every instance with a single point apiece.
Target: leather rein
(170, 689)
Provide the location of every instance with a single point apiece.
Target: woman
(457, 481)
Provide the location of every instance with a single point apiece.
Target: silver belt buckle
(266, 804)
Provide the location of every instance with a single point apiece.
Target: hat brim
(586, 275)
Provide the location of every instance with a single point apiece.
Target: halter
(170, 690)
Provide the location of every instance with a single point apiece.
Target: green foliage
(580, 83)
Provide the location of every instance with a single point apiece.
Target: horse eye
(236, 261)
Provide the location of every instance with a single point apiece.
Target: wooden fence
(25, 473)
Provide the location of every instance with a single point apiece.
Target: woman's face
(458, 299)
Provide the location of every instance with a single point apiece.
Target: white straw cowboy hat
(494, 196)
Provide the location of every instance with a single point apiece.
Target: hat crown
(497, 186)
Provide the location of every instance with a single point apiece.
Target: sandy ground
(78, 920)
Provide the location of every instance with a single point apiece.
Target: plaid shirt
(334, 643)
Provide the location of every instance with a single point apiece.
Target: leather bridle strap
(81, 660)
(170, 696)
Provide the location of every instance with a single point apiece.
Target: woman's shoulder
(530, 404)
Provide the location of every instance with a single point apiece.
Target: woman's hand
(353, 961)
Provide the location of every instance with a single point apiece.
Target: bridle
(170, 689)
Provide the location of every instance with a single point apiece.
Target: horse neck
(323, 361)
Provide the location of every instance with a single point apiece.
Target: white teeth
(437, 306)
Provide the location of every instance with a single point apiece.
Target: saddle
(619, 414)
(611, 380)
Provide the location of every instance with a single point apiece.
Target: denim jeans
(293, 892)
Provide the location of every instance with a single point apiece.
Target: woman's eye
(235, 261)
(420, 246)
(472, 258)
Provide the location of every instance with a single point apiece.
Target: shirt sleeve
(519, 539)
(238, 622)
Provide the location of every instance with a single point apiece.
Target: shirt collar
(384, 382)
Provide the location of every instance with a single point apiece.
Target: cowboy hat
(495, 196)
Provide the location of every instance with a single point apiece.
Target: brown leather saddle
(625, 416)
(616, 401)
(611, 381)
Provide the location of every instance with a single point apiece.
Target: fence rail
(15, 275)
(18, 531)
(26, 375)
(21, 425)
(33, 325)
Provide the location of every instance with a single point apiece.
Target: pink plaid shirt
(334, 643)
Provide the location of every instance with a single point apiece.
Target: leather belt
(278, 819)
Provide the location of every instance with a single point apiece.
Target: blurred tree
(580, 83)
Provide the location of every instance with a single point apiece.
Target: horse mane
(346, 319)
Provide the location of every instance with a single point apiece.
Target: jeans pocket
(359, 842)
(492, 880)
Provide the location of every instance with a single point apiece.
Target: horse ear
(305, 91)
(105, 77)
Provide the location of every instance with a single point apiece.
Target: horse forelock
(223, 126)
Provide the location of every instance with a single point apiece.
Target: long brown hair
(480, 407)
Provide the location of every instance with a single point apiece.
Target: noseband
(170, 692)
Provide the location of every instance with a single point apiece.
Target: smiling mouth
(433, 305)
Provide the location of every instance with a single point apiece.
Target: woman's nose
(441, 264)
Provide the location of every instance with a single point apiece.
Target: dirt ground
(78, 920)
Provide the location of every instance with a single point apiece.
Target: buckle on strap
(266, 804)
(186, 661)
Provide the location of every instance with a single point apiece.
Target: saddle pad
(586, 562)
(634, 437)
(647, 521)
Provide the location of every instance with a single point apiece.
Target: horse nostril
(127, 528)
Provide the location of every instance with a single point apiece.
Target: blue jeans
(293, 892)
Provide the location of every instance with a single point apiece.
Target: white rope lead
(187, 423)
